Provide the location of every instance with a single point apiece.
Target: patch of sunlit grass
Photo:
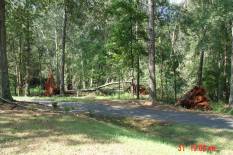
(87, 98)
(221, 107)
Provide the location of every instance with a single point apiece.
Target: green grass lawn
(88, 98)
(24, 132)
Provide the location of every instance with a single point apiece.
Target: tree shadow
(175, 134)
(103, 130)
(30, 127)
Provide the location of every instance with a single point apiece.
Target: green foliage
(105, 38)
(221, 107)
(37, 91)
(67, 109)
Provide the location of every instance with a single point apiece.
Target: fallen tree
(195, 99)
(102, 86)
(142, 89)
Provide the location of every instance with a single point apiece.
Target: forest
(166, 47)
(89, 43)
(116, 77)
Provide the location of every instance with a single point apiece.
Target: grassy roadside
(221, 108)
(26, 132)
(83, 99)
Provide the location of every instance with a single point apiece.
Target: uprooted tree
(195, 99)
(50, 86)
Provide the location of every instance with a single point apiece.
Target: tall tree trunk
(173, 41)
(151, 52)
(20, 83)
(20, 67)
(57, 60)
(200, 70)
(133, 88)
(161, 78)
(138, 64)
(219, 93)
(83, 71)
(16, 65)
(166, 87)
(138, 75)
(62, 87)
(40, 54)
(175, 84)
(231, 86)
(225, 90)
(4, 77)
(119, 86)
(91, 77)
(27, 78)
(202, 55)
(225, 62)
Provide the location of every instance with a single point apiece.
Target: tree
(4, 83)
(231, 86)
(127, 37)
(28, 49)
(151, 52)
(62, 88)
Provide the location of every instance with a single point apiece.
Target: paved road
(203, 119)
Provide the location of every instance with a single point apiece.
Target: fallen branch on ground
(15, 104)
(102, 86)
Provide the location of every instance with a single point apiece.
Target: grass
(221, 107)
(25, 132)
(176, 134)
(89, 98)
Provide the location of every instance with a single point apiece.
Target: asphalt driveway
(196, 118)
